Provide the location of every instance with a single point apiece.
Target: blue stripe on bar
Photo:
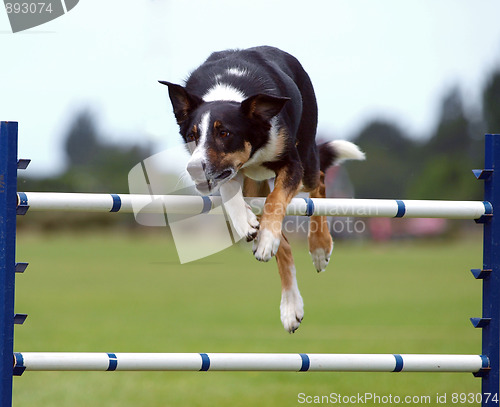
(113, 362)
(19, 360)
(486, 361)
(399, 363)
(19, 367)
(205, 362)
(306, 363)
(207, 204)
(488, 208)
(117, 203)
(401, 209)
(23, 199)
(310, 206)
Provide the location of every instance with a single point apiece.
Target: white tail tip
(346, 151)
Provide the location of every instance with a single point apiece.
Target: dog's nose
(196, 169)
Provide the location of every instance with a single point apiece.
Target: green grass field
(124, 293)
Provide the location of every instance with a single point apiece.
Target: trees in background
(93, 165)
(491, 103)
(439, 167)
(398, 166)
(391, 160)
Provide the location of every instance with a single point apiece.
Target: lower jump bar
(194, 205)
(298, 362)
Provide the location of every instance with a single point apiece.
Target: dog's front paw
(266, 245)
(253, 224)
(246, 226)
(292, 309)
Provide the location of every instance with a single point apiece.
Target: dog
(249, 116)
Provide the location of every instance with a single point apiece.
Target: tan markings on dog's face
(236, 159)
(193, 135)
(219, 130)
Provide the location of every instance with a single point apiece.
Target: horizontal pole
(194, 205)
(52, 361)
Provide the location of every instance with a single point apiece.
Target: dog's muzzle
(205, 179)
(196, 170)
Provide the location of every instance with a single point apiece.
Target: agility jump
(299, 362)
(194, 205)
(486, 365)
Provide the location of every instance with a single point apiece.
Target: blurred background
(415, 83)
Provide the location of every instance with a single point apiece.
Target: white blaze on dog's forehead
(236, 71)
(223, 91)
(199, 153)
(203, 126)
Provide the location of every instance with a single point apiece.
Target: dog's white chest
(253, 168)
(258, 172)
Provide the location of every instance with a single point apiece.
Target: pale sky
(367, 59)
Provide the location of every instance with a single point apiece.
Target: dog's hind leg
(320, 240)
(292, 306)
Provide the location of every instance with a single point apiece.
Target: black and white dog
(251, 115)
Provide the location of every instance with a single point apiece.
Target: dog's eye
(191, 137)
(224, 133)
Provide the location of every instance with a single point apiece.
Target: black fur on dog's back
(268, 70)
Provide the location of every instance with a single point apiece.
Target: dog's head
(221, 135)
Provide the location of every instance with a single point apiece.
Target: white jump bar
(52, 361)
(193, 205)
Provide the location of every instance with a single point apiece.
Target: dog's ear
(263, 106)
(182, 101)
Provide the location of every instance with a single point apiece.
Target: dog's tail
(336, 152)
